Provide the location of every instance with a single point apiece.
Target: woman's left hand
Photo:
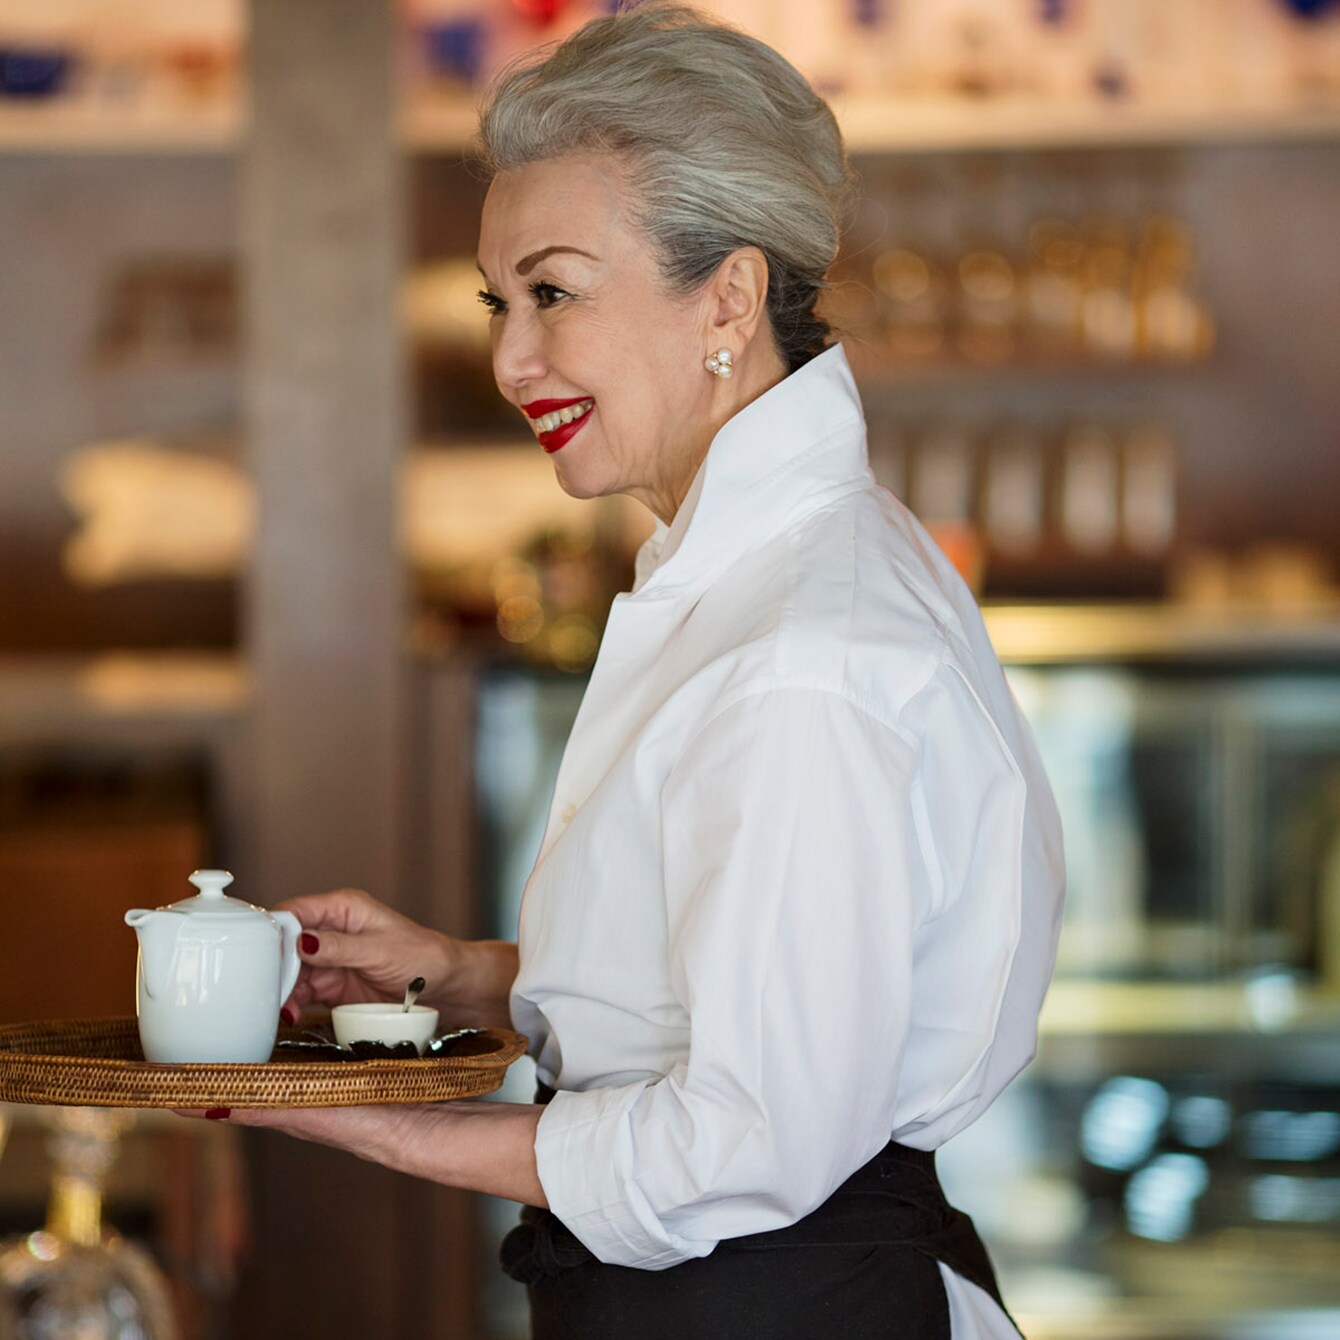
(468, 1143)
(365, 1131)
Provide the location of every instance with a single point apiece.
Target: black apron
(863, 1266)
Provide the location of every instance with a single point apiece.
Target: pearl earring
(719, 363)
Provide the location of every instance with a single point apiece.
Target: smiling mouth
(555, 422)
(546, 423)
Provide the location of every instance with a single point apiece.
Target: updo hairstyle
(723, 142)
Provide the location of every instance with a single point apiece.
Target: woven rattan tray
(98, 1063)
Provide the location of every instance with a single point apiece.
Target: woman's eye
(491, 301)
(546, 295)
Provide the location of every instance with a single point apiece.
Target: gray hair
(724, 143)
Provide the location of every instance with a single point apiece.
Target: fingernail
(218, 1114)
(310, 944)
(289, 1016)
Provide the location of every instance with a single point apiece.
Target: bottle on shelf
(913, 295)
(1107, 307)
(1013, 503)
(74, 1277)
(1089, 502)
(1149, 491)
(943, 488)
(983, 263)
(1171, 320)
(988, 306)
(1053, 289)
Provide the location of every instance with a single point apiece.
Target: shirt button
(569, 813)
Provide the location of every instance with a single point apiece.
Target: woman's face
(606, 366)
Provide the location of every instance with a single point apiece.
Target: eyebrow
(527, 263)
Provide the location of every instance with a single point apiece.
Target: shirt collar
(797, 447)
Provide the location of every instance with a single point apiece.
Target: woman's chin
(576, 484)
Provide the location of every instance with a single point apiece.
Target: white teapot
(213, 972)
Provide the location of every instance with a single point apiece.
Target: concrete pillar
(322, 206)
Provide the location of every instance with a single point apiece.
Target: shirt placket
(613, 704)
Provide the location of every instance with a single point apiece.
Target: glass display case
(1201, 809)
(1170, 1163)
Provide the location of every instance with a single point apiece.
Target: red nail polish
(218, 1114)
(310, 944)
(289, 1016)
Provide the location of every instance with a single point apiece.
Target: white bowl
(384, 1022)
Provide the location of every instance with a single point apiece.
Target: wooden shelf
(51, 690)
(871, 125)
(916, 125)
(875, 366)
(1081, 634)
(61, 127)
(925, 125)
(1092, 1008)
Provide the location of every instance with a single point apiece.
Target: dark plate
(319, 1044)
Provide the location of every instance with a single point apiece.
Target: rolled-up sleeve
(793, 885)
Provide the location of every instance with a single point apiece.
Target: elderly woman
(795, 908)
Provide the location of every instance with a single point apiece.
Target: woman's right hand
(354, 948)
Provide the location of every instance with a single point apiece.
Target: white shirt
(800, 885)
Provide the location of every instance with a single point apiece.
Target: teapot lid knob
(211, 883)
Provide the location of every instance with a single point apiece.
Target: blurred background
(284, 589)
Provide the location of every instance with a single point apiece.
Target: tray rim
(475, 1075)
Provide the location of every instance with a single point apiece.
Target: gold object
(74, 1277)
(913, 299)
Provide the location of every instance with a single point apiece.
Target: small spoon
(412, 993)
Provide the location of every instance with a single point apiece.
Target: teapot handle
(290, 964)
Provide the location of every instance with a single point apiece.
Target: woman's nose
(518, 357)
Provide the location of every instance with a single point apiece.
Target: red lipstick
(534, 408)
(558, 437)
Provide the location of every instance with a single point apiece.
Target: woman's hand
(354, 949)
(479, 1146)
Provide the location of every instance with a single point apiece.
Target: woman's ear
(739, 298)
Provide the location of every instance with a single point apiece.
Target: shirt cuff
(584, 1156)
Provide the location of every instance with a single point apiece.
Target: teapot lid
(212, 900)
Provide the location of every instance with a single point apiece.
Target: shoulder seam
(783, 683)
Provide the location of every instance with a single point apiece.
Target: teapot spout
(157, 932)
